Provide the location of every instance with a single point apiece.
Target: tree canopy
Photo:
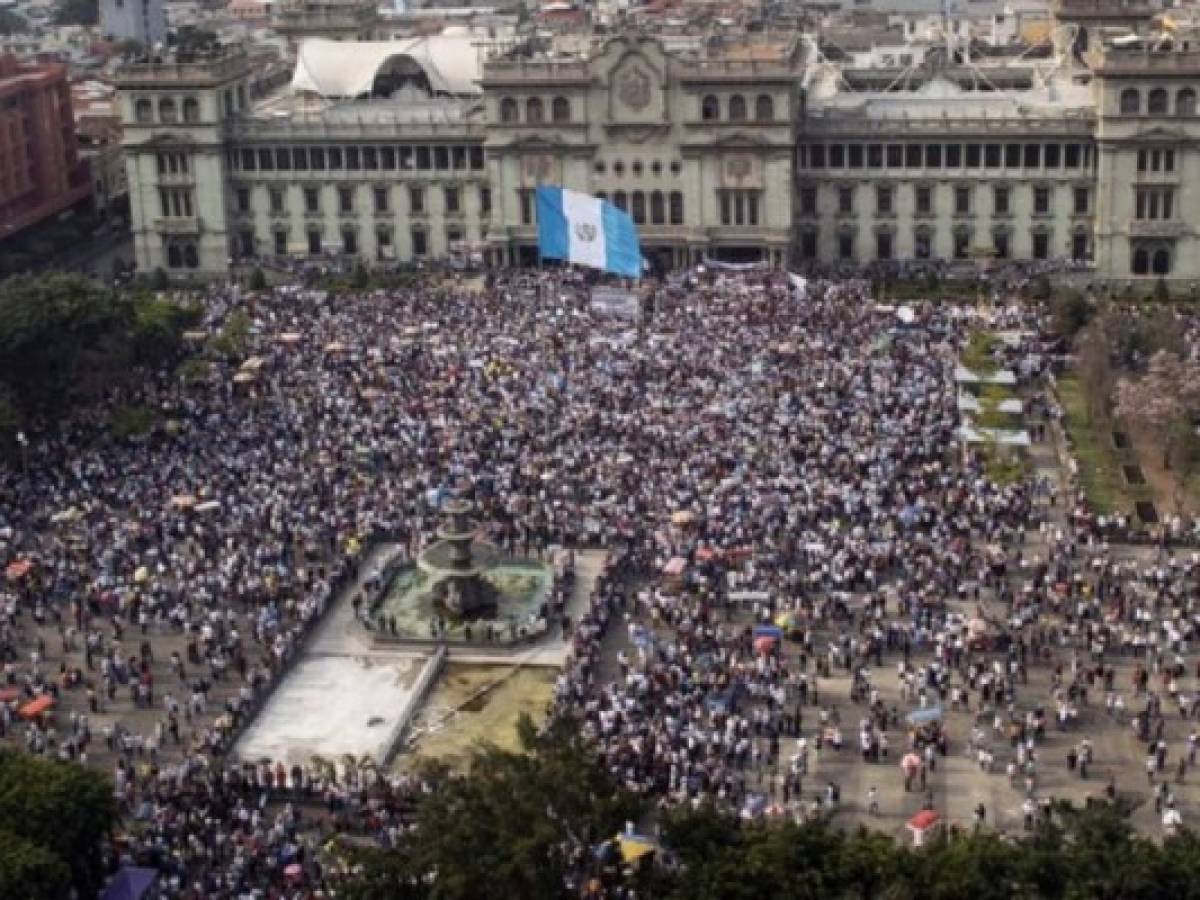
(77, 12)
(63, 337)
(54, 818)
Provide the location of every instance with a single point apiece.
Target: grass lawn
(1099, 461)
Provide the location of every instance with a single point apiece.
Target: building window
(1152, 204)
(281, 247)
(992, 154)
(485, 201)
(345, 200)
(933, 156)
(243, 199)
(1041, 201)
(1079, 245)
(560, 109)
(1071, 156)
(658, 213)
(639, 207)
(845, 246)
(174, 257)
(349, 241)
(283, 159)
(1131, 102)
(314, 242)
(962, 245)
(167, 113)
(383, 243)
(275, 201)
(312, 200)
(475, 159)
(191, 258)
(1033, 156)
(808, 245)
(335, 159)
(1082, 197)
(636, 168)
(1041, 245)
(1141, 261)
(846, 200)
(441, 159)
(912, 156)
(1000, 244)
(737, 108)
(924, 200)
(962, 201)
(922, 245)
(419, 245)
(380, 195)
(710, 109)
(676, 208)
(1185, 102)
(883, 245)
(246, 243)
(508, 110)
(525, 198)
(1156, 103)
(808, 201)
(739, 207)
(143, 111)
(533, 111)
(883, 201)
(1000, 201)
(300, 159)
(191, 109)
(764, 108)
(451, 199)
(1161, 263)
(416, 200)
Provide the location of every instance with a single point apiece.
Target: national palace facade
(749, 149)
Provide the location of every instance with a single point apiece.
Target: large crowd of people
(775, 473)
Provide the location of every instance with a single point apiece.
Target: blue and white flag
(582, 229)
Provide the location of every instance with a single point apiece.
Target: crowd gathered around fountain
(775, 474)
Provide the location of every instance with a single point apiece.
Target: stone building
(698, 149)
(742, 149)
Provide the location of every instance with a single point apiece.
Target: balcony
(1159, 229)
(181, 225)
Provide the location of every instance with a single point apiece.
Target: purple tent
(130, 883)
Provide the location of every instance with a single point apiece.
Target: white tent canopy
(348, 68)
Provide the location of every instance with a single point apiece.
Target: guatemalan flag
(582, 229)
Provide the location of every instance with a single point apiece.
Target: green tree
(63, 808)
(500, 830)
(31, 871)
(77, 12)
(257, 280)
(12, 23)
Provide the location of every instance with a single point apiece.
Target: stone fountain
(463, 587)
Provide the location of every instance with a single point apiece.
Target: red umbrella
(764, 644)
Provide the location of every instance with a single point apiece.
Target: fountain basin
(414, 602)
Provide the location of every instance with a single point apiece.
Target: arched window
(508, 110)
(710, 109)
(737, 108)
(560, 109)
(174, 256)
(676, 207)
(534, 111)
(143, 111)
(1141, 262)
(657, 210)
(191, 109)
(167, 112)
(620, 201)
(1185, 102)
(639, 207)
(190, 258)
(1131, 102)
(1156, 104)
(764, 108)
(1162, 262)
